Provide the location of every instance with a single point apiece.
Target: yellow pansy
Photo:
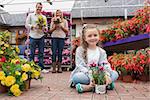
(3, 48)
(15, 61)
(17, 73)
(15, 90)
(32, 69)
(24, 77)
(10, 80)
(37, 74)
(12, 60)
(7, 33)
(6, 45)
(26, 67)
(32, 76)
(14, 87)
(17, 49)
(3, 82)
(1, 43)
(2, 75)
(1, 52)
(17, 93)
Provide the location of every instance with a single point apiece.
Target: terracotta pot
(144, 77)
(128, 79)
(100, 89)
(27, 84)
(0, 68)
(3, 89)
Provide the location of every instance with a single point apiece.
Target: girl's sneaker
(111, 86)
(79, 88)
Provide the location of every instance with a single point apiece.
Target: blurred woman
(59, 29)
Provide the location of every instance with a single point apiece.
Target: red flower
(147, 28)
(3, 59)
(142, 56)
(102, 38)
(141, 69)
(134, 58)
(118, 36)
(142, 62)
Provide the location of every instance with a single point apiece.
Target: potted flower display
(133, 65)
(99, 79)
(15, 73)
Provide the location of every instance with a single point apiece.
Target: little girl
(88, 52)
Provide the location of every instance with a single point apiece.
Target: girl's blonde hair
(84, 44)
(62, 17)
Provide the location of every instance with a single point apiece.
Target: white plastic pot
(100, 89)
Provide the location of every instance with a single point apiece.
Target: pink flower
(93, 65)
(101, 68)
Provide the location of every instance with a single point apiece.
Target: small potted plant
(57, 20)
(41, 22)
(98, 75)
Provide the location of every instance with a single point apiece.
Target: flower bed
(134, 63)
(122, 29)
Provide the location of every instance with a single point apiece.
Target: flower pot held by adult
(100, 89)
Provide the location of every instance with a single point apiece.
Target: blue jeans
(37, 43)
(57, 48)
(82, 78)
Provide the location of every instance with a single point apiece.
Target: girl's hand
(108, 79)
(92, 83)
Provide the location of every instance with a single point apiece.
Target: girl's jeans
(57, 48)
(82, 78)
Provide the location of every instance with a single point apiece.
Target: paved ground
(55, 87)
